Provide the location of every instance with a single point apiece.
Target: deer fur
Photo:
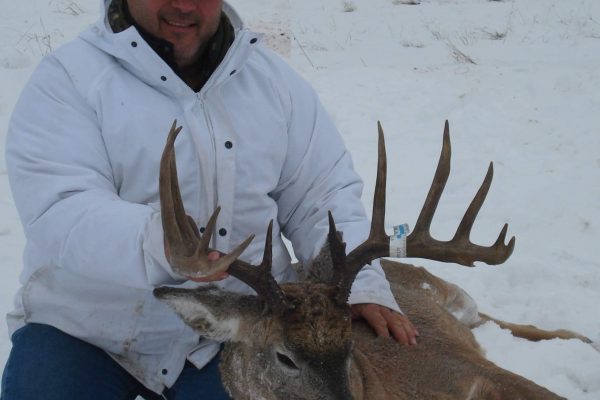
(316, 351)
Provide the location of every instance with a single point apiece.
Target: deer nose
(160, 292)
(335, 380)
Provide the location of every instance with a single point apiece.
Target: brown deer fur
(315, 351)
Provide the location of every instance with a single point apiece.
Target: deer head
(305, 350)
(293, 340)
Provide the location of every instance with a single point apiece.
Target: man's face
(188, 24)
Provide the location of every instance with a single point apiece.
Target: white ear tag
(398, 241)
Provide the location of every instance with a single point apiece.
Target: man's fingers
(400, 326)
(400, 333)
(385, 322)
(374, 318)
(212, 256)
(211, 278)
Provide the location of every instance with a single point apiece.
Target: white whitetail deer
(297, 340)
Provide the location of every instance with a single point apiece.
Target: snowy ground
(519, 81)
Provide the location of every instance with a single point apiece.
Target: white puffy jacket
(83, 153)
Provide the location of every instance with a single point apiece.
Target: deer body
(317, 352)
(448, 363)
(297, 340)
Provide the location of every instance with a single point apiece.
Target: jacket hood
(135, 55)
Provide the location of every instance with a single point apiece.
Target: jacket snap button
(133, 44)
(232, 72)
(163, 78)
(254, 40)
(202, 229)
(164, 372)
(228, 144)
(222, 231)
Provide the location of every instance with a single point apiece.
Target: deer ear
(211, 312)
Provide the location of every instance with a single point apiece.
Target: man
(83, 152)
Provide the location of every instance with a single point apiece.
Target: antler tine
(499, 252)
(466, 224)
(208, 230)
(378, 216)
(226, 259)
(460, 249)
(336, 245)
(438, 184)
(503, 251)
(260, 278)
(174, 223)
(341, 274)
(377, 244)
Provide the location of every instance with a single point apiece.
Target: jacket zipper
(214, 177)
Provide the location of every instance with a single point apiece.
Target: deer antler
(188, 250)
(419, 243)
(459, 249)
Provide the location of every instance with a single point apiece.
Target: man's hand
(386, 322)
(212, 256)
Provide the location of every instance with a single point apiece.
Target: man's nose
(185, 6)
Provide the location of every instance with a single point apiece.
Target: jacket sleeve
(318, 176)
(62, 184)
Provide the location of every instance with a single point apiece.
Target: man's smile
(178, 26)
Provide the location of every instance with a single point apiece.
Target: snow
(519, 81)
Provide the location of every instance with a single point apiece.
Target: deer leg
(534, 333)
(462, 306)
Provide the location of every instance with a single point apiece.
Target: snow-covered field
(519, 81)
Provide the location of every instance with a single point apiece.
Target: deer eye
(286, 361)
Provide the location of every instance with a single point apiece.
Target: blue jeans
(47, 364)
